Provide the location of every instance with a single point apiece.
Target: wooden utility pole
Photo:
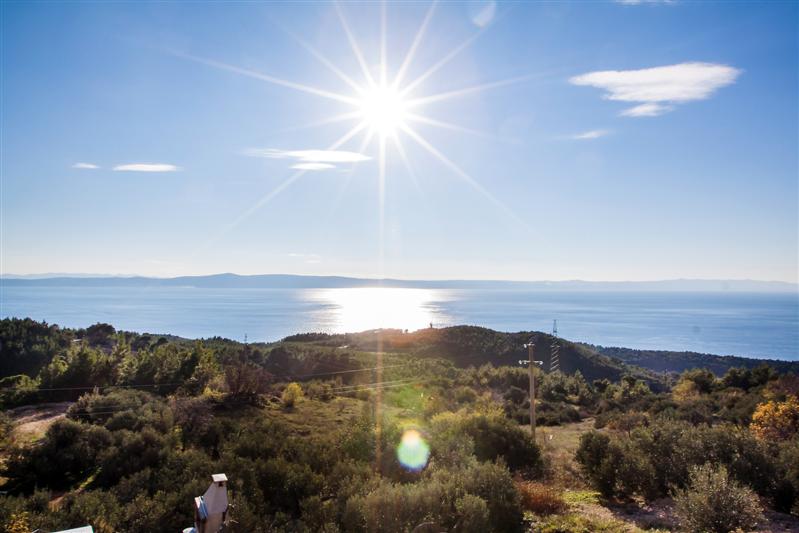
(531, 362)
(531, 357)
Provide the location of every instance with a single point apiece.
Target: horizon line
(84, 275)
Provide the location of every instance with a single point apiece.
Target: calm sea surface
(747, 324)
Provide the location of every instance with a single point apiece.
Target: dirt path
(32, 421)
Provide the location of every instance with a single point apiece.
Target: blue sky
(630, 142)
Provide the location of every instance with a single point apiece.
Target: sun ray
(382, 204)
(280, 188)
(325, 61)
(443, 61)
(463, 175)
(383, 37)
(271, 79)
(446, 125)
(407, 163)
(412, 50)
(367, 138)
(466, 90)
(354, 45)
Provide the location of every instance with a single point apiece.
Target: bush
(541, 499)
(291, 395)
(777, 420)
(65, 455)
(615, 468)
(715, 503)
(653, 460)
(574, 523)
(474, 515)
(493, 436)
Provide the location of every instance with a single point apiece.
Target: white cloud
(592, 134)
(313, 166)
(655, 88)
(309, 159)
(482, 13)
(87, 166)
(646, 110)
(146, 167)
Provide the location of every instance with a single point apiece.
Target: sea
(760, 325)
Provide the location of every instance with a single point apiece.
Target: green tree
(713, 502)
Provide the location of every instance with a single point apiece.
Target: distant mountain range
(288, 281)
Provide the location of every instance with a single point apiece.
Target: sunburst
(382, 109)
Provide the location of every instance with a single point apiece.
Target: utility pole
(530, 363)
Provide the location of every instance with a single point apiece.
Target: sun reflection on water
(358, 309)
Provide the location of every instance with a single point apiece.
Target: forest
(122, 430)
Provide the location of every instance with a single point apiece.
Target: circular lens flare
(413, 452)
(383, 108)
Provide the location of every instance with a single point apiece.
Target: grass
(558, 445)
(307, 416)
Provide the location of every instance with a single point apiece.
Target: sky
(531, 141)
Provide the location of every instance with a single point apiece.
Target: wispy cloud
(657, 89)
(592, 134)
(313, 166)
(646, 110)
(146, 167)
(85, 166)
(309, 156)
(309, 159)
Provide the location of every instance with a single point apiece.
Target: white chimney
(210, 509)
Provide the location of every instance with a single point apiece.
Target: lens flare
(413, 452)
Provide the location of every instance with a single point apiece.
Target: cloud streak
(657, 90)
(313, 166)
(309, 159)
(85, 166)
(592, 134)
(146, 167)
(309, 156)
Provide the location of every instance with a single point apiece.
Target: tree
(776, 420)
(291, 395)
(713, 502)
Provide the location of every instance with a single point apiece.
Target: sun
(383, 109)
(389, 110)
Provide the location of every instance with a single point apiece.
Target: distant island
(289, 281)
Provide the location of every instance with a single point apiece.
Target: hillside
(472, 345)
(382, 430)
(667, 361)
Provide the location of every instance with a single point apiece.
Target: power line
(554, 357)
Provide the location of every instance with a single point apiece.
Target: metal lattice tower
(554, 357)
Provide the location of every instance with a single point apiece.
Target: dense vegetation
(307, 430)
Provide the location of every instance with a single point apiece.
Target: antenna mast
(554, 357)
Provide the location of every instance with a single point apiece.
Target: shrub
(291, 395)
(65, 455)
(787, 495)
(715, 503)
(474, 515)
(653, 460)
(776, 420)
(573, 523)
(494, 436)
(541, 499)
